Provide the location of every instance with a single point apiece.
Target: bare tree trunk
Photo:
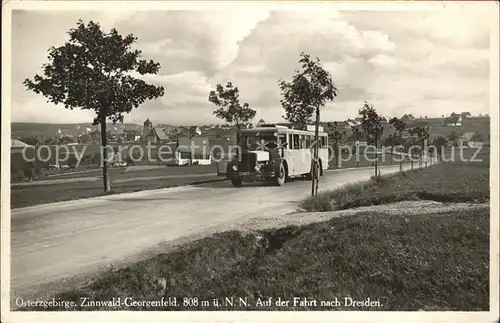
(376, 156)
(315, 180)
(337, 155)
(104, 143)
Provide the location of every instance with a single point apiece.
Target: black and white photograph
(250, 161)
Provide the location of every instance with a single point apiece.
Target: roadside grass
(420, 262)
(447, 182)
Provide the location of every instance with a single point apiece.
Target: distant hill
(24, 129)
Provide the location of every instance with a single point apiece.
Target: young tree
(336, 134)
(356, 135)
(453, 137)
(440, 143)
(397, 138)
(229, 108)
(308, 91)
(372, 125)
(92, 71)
(390, 141)
(422, 134)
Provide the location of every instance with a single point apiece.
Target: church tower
(148, 125)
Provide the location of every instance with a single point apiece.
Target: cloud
(208, 37)
(427, 61)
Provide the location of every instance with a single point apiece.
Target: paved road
(55, 241)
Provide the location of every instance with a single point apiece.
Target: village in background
(459, 129)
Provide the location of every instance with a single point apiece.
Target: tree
(390, 141)
(356, 135)
(453, 137)
(308, 91)
(372, 125)
(229, 108)
(422, 134)
(440, 143)
(465, 115)
(336, 134)
(397, 138)
(92, 71)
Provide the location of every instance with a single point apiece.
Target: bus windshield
(259, 141)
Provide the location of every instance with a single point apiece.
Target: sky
(427, 63)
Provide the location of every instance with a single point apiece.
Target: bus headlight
(235, 168)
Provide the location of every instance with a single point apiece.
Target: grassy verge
(430, 262)
(452, 182)
(35, 195)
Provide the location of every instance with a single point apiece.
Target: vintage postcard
(250, 161)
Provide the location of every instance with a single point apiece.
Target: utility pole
(315, 172)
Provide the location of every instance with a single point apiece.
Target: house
(115, 135)
(195, 131)
(455, 120)
(350, 123)
(193, 150)
(471, 140)
(95, 136)
(465, 138)
(131, 135)
(18, 146)
(260, 123)
(408, 117)
(156, 136)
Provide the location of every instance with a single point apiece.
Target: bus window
(308, 141)
(296, 141)
(303, 142)
(322, 142)
(283, 140)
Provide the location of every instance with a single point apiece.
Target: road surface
(56, 241)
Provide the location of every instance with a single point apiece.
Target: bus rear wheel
(315, 171)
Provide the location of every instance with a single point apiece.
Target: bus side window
(283, 141)
(322, 143)
(308, 141)
(296, 141)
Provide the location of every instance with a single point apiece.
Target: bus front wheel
(236, 182)
(281, 177)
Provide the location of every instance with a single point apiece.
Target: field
(397, 260)
(30, 194)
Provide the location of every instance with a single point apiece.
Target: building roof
(14, 143)
(159, 133)
(467, 136)
(452, 119)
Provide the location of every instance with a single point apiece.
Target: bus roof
(280, 129)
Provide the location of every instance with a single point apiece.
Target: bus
(276, 154)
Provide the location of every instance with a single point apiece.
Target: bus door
(284, 149)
